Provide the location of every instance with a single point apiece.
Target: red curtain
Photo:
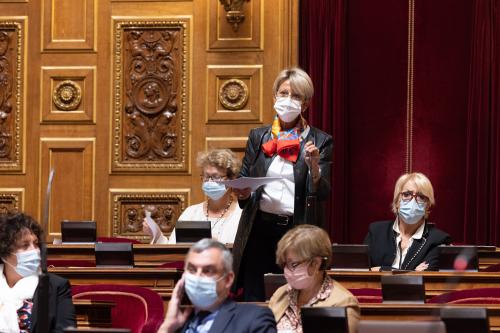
(482, 194)
(321, 55)
(357, 54)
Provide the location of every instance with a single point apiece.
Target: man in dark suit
(206, 281)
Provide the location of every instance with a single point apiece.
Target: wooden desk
(435, 282)
(421, 312)
(145, 255)
(93, 313)
(161, 280)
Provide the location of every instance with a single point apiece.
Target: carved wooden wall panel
(68, 25)
(11, 200)
(234, 93)
(127, 210)
(12, 64)
(68, 94)
(236, 144)
(73, 187)
(151, 59)
(221, 33)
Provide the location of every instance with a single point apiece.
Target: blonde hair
(306, 241)
(423, 185)
(223, 159)
(300, 82)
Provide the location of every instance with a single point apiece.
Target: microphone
(42, 300)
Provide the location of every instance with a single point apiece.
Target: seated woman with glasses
(221, 208)
(305, 253)
(409, 242)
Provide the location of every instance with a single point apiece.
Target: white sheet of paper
(155, 228)
(252, 182)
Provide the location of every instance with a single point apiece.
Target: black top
(61, 309)
(381, 240)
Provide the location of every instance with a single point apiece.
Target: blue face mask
(202, 291)
(28, 263)
(213, 190)
(411, 211)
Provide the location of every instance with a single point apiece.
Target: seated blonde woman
(409, 241)
(305, 253)
(221, 208)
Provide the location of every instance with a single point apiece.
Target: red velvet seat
(491, 268)
(367, 295)
(138, 309)
(469, 296)
(117, 240)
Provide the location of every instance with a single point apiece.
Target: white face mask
(287, 108)
(411, 211)
(28, 263)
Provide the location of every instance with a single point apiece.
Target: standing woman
(301, 155)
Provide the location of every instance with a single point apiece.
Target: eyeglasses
(212, 178)
(419, 197)
(293, 265)
(285, 94)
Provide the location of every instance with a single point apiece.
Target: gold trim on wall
(20, 25)
(182, 145)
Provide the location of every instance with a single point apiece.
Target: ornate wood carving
(11, 85)
(11, 200)
(67, 95)
(128, 211)
(233, 94)
(150, 116)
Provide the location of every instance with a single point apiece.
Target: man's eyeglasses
(212, 178)
(285, 94)
(293, 265)
(419, 197)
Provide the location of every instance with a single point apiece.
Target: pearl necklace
(224, 211)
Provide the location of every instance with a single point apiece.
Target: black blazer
(241, 318)
(61, 309)
(256, 163)
(381, 240)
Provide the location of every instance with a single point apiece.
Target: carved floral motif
(5, 95)
(67, 95)
(233, 94)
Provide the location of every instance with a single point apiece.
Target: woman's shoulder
(341, 295)
(438, 235)
(278, 296)
(319, 133)
(381, 225)
(191, 211)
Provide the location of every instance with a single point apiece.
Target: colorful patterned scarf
(285, 143)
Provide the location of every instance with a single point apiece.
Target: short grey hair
(209, 243)
(300, 82)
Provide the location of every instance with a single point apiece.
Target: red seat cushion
(469, 296)
(367, 295)
(137, 308)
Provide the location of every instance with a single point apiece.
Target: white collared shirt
(400, 257)
(278, 197)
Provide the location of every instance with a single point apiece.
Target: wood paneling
(147, 69)
(68, 24)
(73, 187)
(68, 94)
(12, 80)
(221, 34)
(11, 200)
(234, 94)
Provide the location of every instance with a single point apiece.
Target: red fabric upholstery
(469, 296)
(367, 295)
(137, 308)
(117, 240)
(173, 264)
(491, 268)
(70, 263)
